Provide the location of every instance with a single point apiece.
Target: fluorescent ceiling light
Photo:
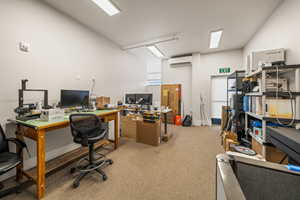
(156, 51)
(215, 38)
(107, 6)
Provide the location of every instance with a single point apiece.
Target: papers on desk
(167, 110)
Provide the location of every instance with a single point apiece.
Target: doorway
(218, 97)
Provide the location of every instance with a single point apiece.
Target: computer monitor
(71, 98)
(130, 99)
(144, 99)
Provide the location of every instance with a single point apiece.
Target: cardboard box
(148, 133)
(272, 153)
(229, 143)
(280, 108)
(102, 101)
(224, 119)
(228, 135)
(129, 125)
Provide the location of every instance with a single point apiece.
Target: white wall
(179, 75)
(154, 71)
(209, 65)
(281, 30)
(196, 80)
(61, 52)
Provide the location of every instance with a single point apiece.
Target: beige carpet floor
(182, 169)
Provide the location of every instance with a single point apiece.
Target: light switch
(23, 46)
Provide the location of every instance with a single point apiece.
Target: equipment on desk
(144, 99)
(74, 98)
(52, 114)
(130, 99)
(87, 129)
(9, 160)
(93, 97)
(151, 117)
(139, 99)
(25, 110)
(101, 102)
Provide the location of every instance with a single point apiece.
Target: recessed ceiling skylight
(215, 38)
(107, 6)
(156, 51)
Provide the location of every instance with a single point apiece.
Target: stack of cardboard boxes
(134, 127)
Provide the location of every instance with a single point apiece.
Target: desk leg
(40, 164)
(166, 123)
(20, 167)
(117, 138)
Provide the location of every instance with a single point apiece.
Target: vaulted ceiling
(192, 20)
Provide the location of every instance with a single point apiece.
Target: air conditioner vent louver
(182, 60)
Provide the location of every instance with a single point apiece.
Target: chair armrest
(22, 145)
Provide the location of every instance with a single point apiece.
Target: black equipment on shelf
(24, 109)
(235, 94)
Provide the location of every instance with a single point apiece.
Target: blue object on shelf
(246, 103)
(293, 168)
(258, 124)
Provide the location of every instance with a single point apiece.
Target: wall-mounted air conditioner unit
(265, 58)
(179, 61)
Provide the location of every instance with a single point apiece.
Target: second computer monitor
(144, 99)
(139, 98)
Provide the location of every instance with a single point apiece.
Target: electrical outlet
(23, 46)
(78, 77)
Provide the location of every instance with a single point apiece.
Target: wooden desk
(36, 130)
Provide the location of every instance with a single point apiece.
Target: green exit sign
(224, 70)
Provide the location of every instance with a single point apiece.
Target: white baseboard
(197, 122)
(201, 123)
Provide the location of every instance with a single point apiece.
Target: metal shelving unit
(262, 73)
(237, 112)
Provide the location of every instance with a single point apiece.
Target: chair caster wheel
(76, 185)
(104, 178)
(110, 162)
(72, 170)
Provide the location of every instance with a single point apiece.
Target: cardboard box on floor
(228, 138)
(129, 125)
(272, 153)
(148, 133)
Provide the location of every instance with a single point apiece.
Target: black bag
(187, 122)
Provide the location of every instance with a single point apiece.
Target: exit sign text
(224, 70)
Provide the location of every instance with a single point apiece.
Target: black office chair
(9, 160)
(87, 129)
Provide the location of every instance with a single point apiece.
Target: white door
(218, 95)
